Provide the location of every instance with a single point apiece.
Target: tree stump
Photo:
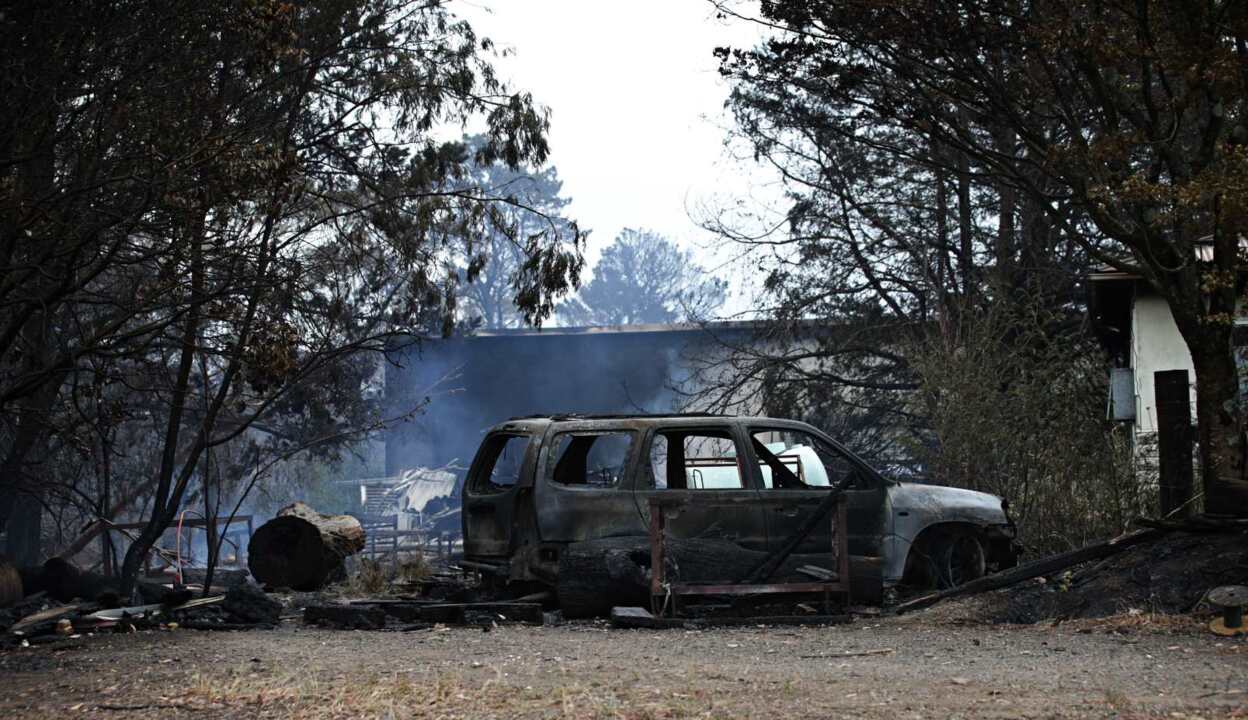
(303, 549)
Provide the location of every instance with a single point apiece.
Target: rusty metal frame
(661, 590)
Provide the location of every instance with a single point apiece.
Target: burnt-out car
(541, 487)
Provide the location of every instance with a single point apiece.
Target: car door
(795, 464)
(498, 479)
(582, 491)
(697, 464)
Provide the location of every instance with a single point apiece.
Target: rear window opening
(504, 458)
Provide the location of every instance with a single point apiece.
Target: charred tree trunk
(11, 589)
(302, 549)
(25, 530)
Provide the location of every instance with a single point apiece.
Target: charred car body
(540, 487)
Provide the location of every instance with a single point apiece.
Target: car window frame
(870, 477)
(477, 482)
(733, 430)
(546, 463)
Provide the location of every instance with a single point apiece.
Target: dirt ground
(927, 665)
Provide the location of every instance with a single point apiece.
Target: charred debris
(59, 603)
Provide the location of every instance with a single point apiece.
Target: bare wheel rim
(965, 561)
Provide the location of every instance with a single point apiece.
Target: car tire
(959, 559)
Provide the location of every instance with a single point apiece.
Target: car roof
(539, 422)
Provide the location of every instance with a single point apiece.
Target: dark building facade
(461, 386)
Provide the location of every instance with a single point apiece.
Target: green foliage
(528, 209)
(645, 278)
(216, 218)
(1016, 408)
(1109, 131)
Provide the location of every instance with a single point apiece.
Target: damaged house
(465, 385)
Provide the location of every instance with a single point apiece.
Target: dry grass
(412, 695)
(413, 568)
(1141, 622)
(373, 578)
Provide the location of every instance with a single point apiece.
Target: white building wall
(1155, 345)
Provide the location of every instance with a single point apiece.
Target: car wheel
(959, 559)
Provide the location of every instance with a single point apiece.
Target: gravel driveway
(918, 666)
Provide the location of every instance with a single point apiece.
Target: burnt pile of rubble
(1167, 568)
(1167, 576)
(68, 603)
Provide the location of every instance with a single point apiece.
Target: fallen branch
(42, 618)
(1036, 568)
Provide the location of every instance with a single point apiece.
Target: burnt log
(64, 581)
(346, 617)
(596, 575)
(11, 587)
(303, 549)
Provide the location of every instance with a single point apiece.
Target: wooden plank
(758, 589)
(840, 541)
(34, 619)
(657, 570)
(639, 618)
(515, 611)
(457, 613)
(345, 616)
(118, 613)
(818, 573)
(198, 602)
(1174, 439)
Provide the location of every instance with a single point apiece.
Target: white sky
(637, 117)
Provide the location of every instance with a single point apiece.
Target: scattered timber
(818, 573)
(640, 618)
(65, 582)
(463, 613)
(1036, 568)
(303, 549)
(42, 621)
(346, 617)
(525, 612)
